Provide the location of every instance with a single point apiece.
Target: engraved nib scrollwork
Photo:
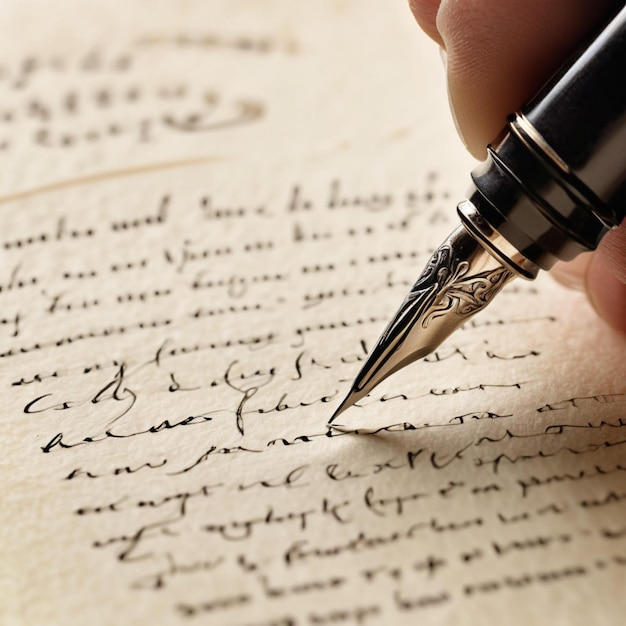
(466, 295)
(459, 280)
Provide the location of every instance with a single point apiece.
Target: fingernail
(573, 274)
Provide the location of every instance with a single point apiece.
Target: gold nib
(459, 280)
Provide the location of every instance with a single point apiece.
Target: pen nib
(459, 280)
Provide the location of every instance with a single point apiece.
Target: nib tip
(348, 401)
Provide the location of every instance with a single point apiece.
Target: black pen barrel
(556, 182)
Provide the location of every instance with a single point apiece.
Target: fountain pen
(551, 187)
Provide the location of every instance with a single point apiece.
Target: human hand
(497, 54)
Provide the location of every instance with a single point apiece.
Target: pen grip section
(531, 205)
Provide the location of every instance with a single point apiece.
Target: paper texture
(209, 212)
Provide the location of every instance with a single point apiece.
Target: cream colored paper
(209, 211)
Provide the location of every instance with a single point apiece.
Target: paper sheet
(209, 212)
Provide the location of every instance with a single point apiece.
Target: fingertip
(572, 274)
(606, 291)
(602, 275)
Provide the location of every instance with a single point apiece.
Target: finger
(574, 273)
(602, 275)
(605, 279)
(499, 52)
